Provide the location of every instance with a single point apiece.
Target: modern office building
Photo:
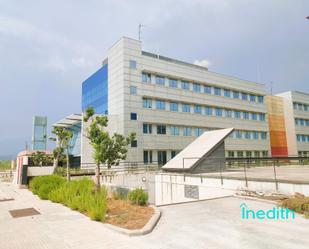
(39, 134)
(168, 103)
(73, 123)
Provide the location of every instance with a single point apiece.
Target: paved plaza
(206, 224)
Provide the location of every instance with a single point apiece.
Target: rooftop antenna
(140, 31)
(271, 88)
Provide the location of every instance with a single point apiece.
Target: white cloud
(202, 63)
(82, 62)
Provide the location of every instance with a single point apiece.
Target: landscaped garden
(126, 211)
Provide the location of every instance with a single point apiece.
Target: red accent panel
(279, 151)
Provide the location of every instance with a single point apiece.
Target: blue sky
(47, 48)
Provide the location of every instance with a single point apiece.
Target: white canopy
(198, 149)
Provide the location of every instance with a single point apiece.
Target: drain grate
(7, 199)
(16, 213)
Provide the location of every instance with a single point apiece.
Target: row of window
(303, 153)
(301, 106)
(247, 153)
(206, 110)
(201, 88)
(162, 155)
(302, 122)
(302, 138)
(197, 131)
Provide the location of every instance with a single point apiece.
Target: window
(185, 85)
(253, 116)
(218, 112)
(245, 115)
(302, 122)
(228, 113)
(146, 77)
(227, 93)
(208, 111)
(236, 95)
(298, 137)
(248, 154)
(173, 153)
(162, 157)
(174, 130)
(198, 131)
(261, 99)
(237, 114)
(263, 135)
(147, 156)
(307, 122)
(196, 87)
(197, 109)
(231, 153)
(265, 153)
(147, 103)
(161, 129)
(134, 143)
(133, 90)
(240, 154)
(207, 89)
(217, 91)
(160, 80)
(252, 98)
(303, 138)
(256, 154)
(133, 64)
(173, 83)
(147, 128)
(244, 96)
(174, 106)
(133, 116)
(295, 106)
(160, 104)
(238, 134)
(306, 108)
(185, 107)
(262, 116)
(187, 131)
(247, 135)
(255, 135)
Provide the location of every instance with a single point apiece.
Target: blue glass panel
(95, 91)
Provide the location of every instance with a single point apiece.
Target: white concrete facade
(127, 94)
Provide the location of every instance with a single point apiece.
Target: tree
(40, 158)
(108, 150)
(63, 138)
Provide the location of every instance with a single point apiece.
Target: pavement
(205, 224)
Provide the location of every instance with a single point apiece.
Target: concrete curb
(139, 232)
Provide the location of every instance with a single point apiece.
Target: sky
(48, 48)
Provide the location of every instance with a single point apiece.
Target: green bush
(43, 185)
(97, 205)
(299, 205)
(138, 196)
(77, 195)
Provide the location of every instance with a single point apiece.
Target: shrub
(96, 205)
(78, 195)
(43, 185)
(299, 205)
(138, 196)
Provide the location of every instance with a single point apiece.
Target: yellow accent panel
(278, 139)
(276, 123)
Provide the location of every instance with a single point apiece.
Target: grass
(5, 165)
(298, 204)
(77, 195)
